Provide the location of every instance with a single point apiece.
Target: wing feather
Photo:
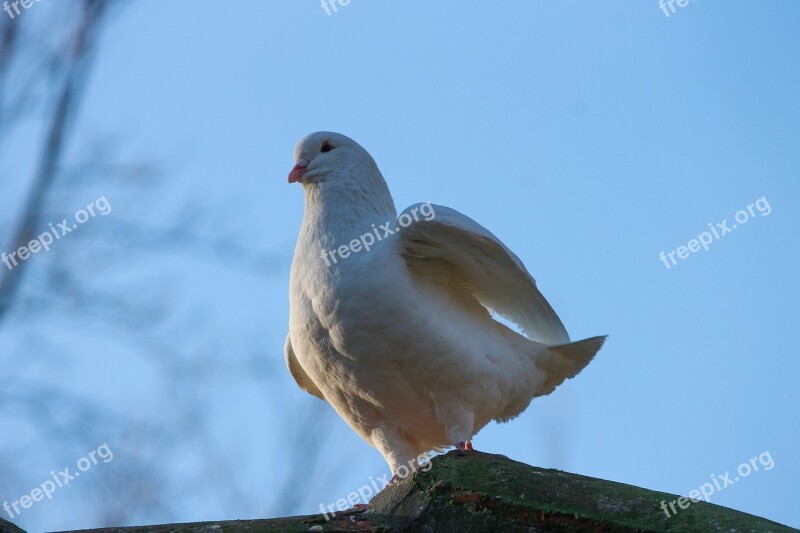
(297, 372)
(496, 276)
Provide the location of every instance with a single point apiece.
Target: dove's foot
(464, 445)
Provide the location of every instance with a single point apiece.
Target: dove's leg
(459, 428)
(398, 451)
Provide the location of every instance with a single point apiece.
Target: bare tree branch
(67, 104)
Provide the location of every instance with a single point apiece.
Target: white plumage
(399, 339)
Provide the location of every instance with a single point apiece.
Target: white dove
(392, 326)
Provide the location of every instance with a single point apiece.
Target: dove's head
(320, 156)
(338, 167)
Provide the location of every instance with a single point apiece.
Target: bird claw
(464, 445)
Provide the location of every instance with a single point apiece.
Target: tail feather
(564, 361)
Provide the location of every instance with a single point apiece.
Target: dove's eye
(326, 147)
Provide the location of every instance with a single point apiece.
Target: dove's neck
(337, 213)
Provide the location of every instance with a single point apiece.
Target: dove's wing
(496, 276)
(297, 372)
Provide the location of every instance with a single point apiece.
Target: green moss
(8, 527)
(473, 491)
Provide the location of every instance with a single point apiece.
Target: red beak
(296, 175)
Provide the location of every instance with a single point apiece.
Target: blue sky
(589, 137)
